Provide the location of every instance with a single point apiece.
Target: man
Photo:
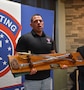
(81, 69)
(37, 42)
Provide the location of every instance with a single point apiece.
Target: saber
(22, 63)
(15, 65)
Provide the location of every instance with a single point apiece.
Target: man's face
(37, 23)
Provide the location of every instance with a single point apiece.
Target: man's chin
(39, 30)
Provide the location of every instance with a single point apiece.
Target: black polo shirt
(37, 45)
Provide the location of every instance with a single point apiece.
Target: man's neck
(39, 33)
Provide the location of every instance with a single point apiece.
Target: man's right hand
(33, 71)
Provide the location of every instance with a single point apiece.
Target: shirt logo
(9, 31)
(48, 40)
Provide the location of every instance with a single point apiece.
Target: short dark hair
(35, 15)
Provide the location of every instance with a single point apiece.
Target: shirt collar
(36, 35)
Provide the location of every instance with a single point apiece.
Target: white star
(6, 41)
(0, 58)
(9, 55)
(1, 36)
(9, 48)
(4, 63)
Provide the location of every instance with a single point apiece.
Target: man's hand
(33, 71)
(64, 66)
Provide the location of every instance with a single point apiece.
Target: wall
(69, 34)
(74, 27)
(74, 16)
(60, 76)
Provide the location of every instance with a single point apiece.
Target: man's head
(37, 23)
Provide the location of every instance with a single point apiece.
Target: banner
(15, 21)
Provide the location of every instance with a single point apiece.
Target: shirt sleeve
(21, 45)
